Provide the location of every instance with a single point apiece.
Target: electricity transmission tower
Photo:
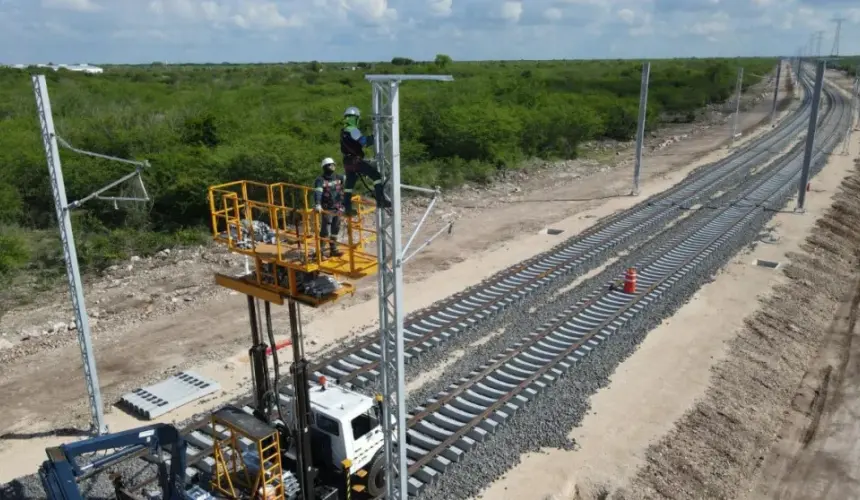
(392, 256)
(52, 144)
(834, 51)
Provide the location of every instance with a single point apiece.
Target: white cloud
(646, 28)
(708, 28)
(261, 30)
(441, 7)
(150, 34)
(627, 15)
(511, 11)
(718, 23)
(370, 10)
(246, 14)
(552, 14)
(79, 5)
(265, 16)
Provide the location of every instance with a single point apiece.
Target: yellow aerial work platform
(276, 225)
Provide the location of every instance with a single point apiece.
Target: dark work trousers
(365, 169)
(329, 221)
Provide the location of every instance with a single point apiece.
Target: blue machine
(61, 473)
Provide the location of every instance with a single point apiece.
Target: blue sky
(140, 31)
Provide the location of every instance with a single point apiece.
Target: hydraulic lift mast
(259, 363)
(266, 395)
(299, 370)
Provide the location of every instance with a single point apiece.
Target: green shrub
(14, 253)
(200, 125)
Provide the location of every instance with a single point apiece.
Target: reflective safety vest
(351, 149)
(332, 191)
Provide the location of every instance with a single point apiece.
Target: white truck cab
(350, 419)
(345, 425)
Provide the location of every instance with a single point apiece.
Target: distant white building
(84, 68)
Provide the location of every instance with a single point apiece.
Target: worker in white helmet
(328, 201)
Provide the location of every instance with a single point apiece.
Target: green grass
(204, 124)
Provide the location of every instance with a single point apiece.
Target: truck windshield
(364, 423)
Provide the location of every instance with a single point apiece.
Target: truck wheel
(376, 476)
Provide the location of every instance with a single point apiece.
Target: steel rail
(357, 364)
(494, 387)
(705, 176)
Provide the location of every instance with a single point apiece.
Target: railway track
(468, 412)
(358, 364)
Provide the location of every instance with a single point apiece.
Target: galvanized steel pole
(737, 103)
(810, 137)
(67, 239)
(775, 92)
(640, 129)
(392, 309)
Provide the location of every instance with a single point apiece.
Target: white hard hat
(327, 161)
(352, 111)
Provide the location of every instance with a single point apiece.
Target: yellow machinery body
(290, 250)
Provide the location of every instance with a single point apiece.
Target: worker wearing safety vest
(352, 144)
(328, 197)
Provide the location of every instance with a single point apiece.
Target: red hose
(280, 345)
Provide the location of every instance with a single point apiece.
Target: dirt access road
(818, 453)
(163, 314)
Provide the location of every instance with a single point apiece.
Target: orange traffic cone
(630, 281)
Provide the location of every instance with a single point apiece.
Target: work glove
(318, 208)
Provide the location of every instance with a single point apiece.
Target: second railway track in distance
(468, 412)
(358, 364)
(443, 429)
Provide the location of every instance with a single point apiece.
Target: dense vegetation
(203, 124)
(847, 64)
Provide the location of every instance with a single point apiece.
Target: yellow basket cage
(275, 225)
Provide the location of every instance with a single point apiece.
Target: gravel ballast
(547, 420)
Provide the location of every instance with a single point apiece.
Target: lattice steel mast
(63, 210)
(834, 51)
(392, 255)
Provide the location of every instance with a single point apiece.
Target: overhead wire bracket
(447, 227)
(139, 166)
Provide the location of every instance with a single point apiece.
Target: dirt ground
(758, 400)
(816, 455)
(157, 315)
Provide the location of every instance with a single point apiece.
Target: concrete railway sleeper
(200, 434)
(469, 411)
(357, 365)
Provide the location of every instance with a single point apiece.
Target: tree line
(200, 125)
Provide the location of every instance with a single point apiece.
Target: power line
(834, 52)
